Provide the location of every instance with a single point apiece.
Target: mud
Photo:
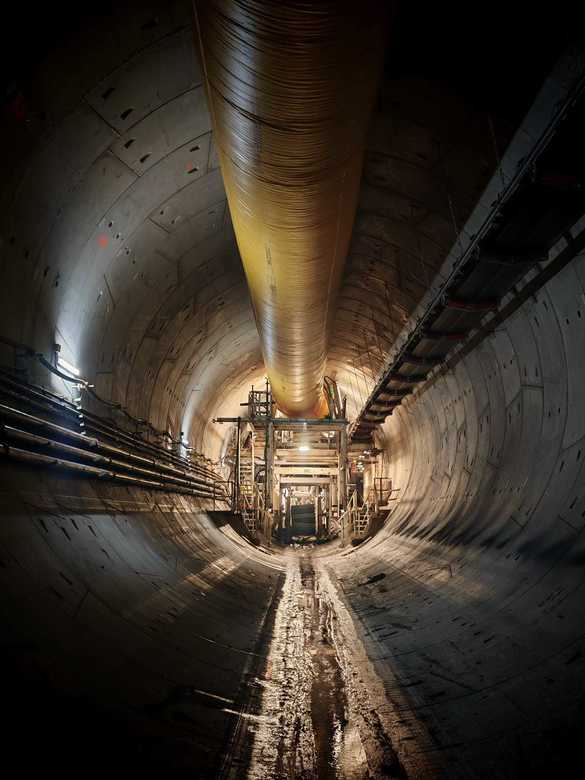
(315, 719)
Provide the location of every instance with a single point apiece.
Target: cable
(89, 388)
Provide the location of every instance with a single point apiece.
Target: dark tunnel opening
(379, 573)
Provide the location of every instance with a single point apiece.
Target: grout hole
(129, 143)
(125, 114)
(150, 24)
(193, 170)
(194, 149)
(107, 93)
(144, 157)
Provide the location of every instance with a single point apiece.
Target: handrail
(253, 509)
(251, 501)
(85, 422)
(84, 384)
(357, 517)
(56, 435)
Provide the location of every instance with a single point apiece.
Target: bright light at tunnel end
(304, 448)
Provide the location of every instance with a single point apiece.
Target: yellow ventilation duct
(291, 87)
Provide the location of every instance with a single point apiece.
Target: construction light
(67, 366)
(304, 448)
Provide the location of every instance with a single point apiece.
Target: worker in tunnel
(291, 426)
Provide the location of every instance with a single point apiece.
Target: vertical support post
(269, 451)
(317, 513)
(342, 498)
(338, 481)
(238, 453)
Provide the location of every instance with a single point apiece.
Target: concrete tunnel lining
(132, 623)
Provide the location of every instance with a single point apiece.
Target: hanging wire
(496, 150)
(85, 385)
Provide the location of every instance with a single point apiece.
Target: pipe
(115, 459)
(40, 398)
(290, 89)
(83, 384)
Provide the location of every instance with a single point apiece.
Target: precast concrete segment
(471, 598)
(130, 619)
(290, 88)
(468, 604)
(476, 628)
(117, 241)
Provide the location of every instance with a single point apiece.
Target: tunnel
(147, 627)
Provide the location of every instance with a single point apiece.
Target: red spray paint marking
(103, 241)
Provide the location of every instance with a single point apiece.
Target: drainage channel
(311, 724)
(328, 695)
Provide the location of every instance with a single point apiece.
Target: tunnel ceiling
(427, 160)
(116, 238)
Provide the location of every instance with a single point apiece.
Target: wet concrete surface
(328, 696)
(315, 717)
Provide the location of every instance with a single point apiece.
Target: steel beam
(551, 108)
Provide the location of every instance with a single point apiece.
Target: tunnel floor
(314, 716)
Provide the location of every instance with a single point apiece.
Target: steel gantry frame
(325, 462)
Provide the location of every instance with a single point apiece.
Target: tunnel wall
(130, 620)
(475, 618)
(476, 626)
(115, 239)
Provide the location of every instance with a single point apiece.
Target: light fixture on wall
(67, 366)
